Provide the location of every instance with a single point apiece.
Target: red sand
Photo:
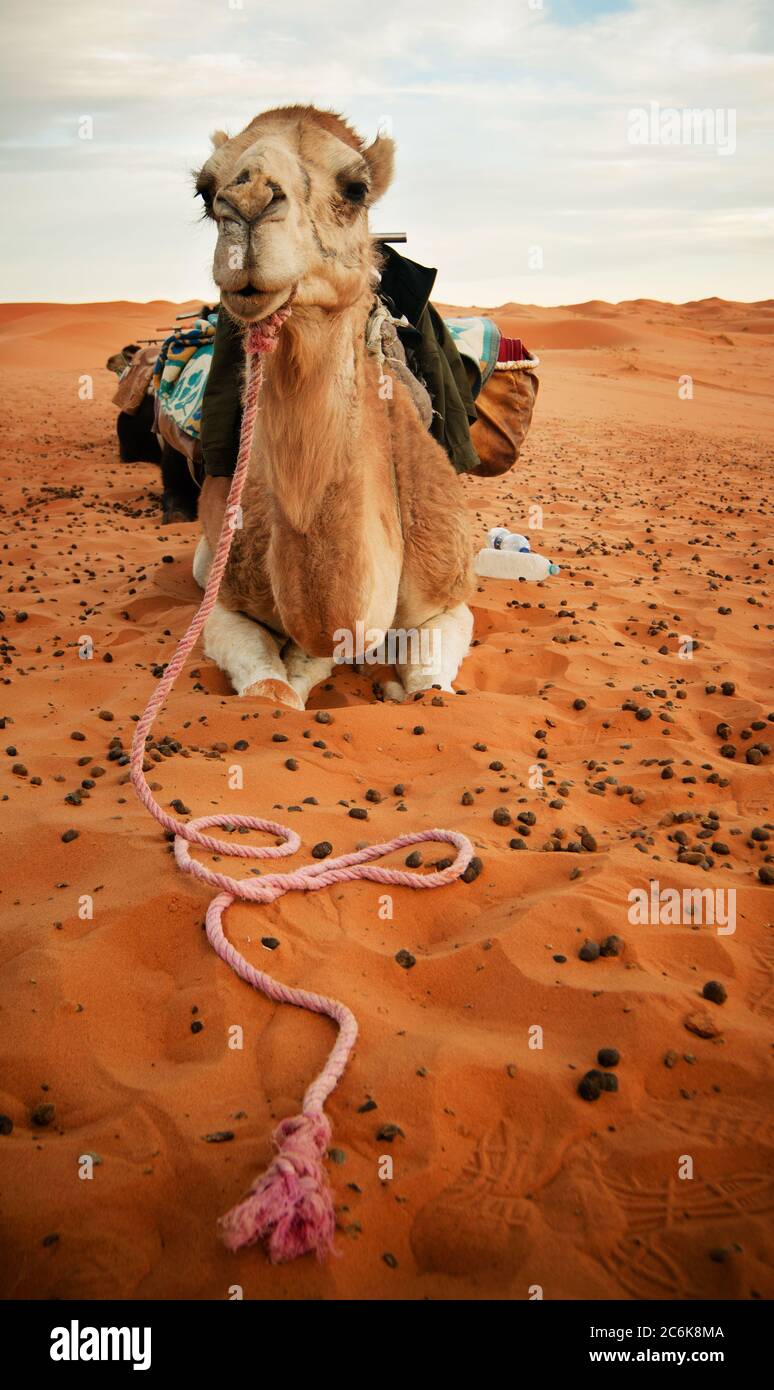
(659, 511)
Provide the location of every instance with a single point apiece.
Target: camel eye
(355, 192)
(205, 190)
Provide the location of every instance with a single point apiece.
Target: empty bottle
(500, 538)
(512, 564)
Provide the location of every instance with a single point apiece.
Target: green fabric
(441, 368)
(221, 407)
(431, 354)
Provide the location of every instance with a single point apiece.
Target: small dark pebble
(43, 1114)
(390, 1132)
(70, 835)
(715, 992)
(270, 942)
(6, 1124)
(474, 869)
(322, 849)
(611, 946)
(589, 951)
(219, 1136)
(405, 959)
(197, 1026)
(590, 1087)
(608, 1056)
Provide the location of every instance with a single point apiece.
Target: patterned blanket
(478, 339)
(181, 372)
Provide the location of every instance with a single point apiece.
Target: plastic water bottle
(496, 536)
(512, 564)
(515, 542)
(500, 538)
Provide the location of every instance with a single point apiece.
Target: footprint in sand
(484, 1224)
(761, 996)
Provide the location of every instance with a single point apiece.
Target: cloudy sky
(516, 172)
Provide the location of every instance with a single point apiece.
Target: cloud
(506, 117)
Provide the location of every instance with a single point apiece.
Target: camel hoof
(277, 691)
(393, 692)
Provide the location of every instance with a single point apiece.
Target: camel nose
(254, 197)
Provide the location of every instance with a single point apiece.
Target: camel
(353, 518)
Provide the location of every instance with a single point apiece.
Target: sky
(532, 162)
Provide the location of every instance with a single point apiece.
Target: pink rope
(290, 1205)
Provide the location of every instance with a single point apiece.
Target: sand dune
(658, 509)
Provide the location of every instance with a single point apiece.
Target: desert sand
(505, 1180)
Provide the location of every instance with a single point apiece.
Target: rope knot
(262, 336)
(290, 1207)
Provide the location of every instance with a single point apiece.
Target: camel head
(290, 196)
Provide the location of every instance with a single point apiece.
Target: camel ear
(218, 138)
(380, 157)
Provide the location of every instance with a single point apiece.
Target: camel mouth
(251, 303)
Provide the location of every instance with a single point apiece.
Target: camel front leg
(249, 654)
(304, 671)
(435, 650)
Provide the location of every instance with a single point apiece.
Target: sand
(504, 1180)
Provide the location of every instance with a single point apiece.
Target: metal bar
(389, 236)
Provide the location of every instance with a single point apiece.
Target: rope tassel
(290, 1207)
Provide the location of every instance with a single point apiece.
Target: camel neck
(311, 411)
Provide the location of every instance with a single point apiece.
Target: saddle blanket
(478, 339)
(181, 372)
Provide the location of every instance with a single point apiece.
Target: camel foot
(277, 691)
(393, 691)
